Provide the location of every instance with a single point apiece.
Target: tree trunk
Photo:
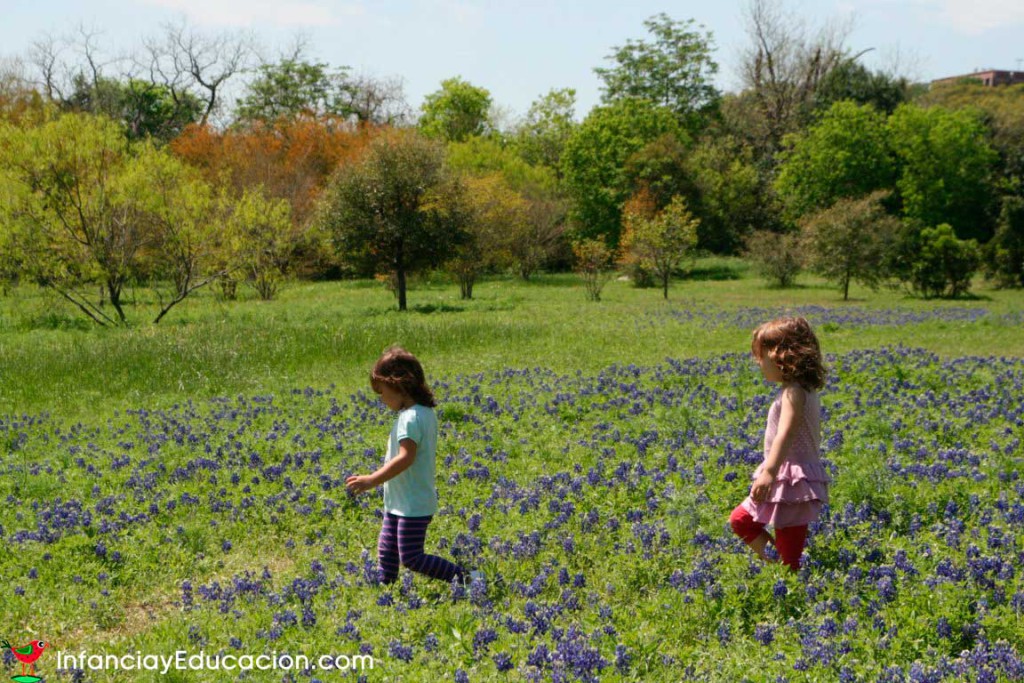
(400, 276)
(114, 288)
(664, 284)
(846, 288)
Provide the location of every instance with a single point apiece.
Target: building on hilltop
(989, 77)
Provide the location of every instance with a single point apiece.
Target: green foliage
(144, 108)
(293, 87)
(850, 80)
(257, 237)
(778, 256)
(382, 212)
(457, 111)
(945, 166)
(1003, 109)
(662, 244)
(74, 217)
(541, 138)
(733, 197)
(851, 240)
(593, 263)
(844, 154)
(944, 265)
(595, 158)
(1004, 253)
(675, 70)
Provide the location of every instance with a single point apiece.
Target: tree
(778, 256)
(293, 87)
(1003, 111)
(675, 71)
(850, 80)
(945, 165)
(844, 154)
(146, 110)
(661, 168)
(382, 211)
(187, 62)
(375, 100)
(181, 211)
(79, 221)
(455, 112)
(1004, 254)
(543, 134)
(942, 265)
(593, 263)
(783, 67)
(595, 158)
(493, 215)
(851, 240)
(539, 238)
(734, 199)
(662, 243)
(258, 229)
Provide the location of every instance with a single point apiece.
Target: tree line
(142, 171)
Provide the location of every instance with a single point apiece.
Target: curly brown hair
(793, 346)
(400, 370)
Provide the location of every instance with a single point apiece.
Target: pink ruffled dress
(801, 486)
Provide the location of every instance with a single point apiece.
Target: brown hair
(792, 345)
(399, 369)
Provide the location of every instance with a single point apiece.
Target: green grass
(53, 360)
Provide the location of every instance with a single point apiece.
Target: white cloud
(978, 16)
(276, 12)
(972, 17)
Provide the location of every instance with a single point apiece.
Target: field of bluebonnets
(185, 489)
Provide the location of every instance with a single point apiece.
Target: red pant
(789, 541)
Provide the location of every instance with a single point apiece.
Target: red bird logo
(27, 654)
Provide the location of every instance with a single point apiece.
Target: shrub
(777, 256)
(944, 265)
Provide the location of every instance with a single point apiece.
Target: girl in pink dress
(790, 485)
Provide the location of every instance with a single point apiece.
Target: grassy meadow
(180, 486)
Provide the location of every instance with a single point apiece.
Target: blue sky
(519, 49)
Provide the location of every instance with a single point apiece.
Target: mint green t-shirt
(413, 492)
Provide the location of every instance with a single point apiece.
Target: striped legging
(401, 543)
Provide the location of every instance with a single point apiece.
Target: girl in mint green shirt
(410, 495)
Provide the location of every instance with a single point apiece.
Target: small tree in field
(777, 256)
(492, 214)
(593, 259)
(382, 211)
(663, 243)
(851, 240)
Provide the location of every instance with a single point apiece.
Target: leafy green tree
(1003, 110)
(945, 165)
(942, 265)
(663, 243)
(674, 70)
(595, 158)
(493, 215)
(185, 222)
(778, 256)
(382, 211)
(258, 227)
(661, 168)
(593, 263)
(845, 154)
(851, 241)
(78, 221)
(457, 111)
(145, 109)
(543, 134)
(851, 80)
(734, 198)
(294, 87)
(1004, 253)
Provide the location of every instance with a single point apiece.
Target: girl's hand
(759, 489)
(359, 483)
